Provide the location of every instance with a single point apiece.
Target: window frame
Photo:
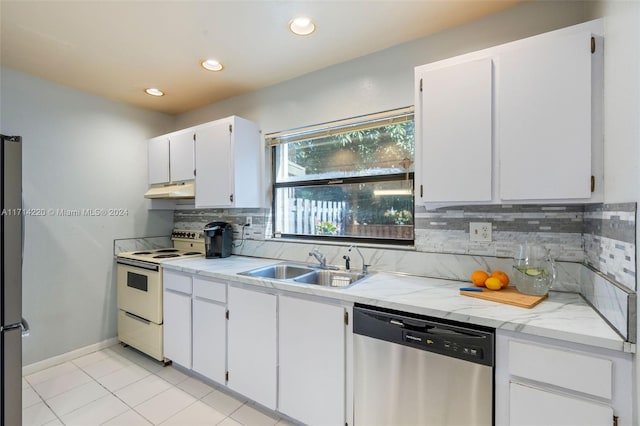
(385, 118)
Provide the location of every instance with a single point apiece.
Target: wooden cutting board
(509, 295)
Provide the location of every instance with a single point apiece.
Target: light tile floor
(119, 386)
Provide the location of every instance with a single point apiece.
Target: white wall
(79, 151)
(383, 80)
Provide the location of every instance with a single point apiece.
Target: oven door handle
(137, 318)
(138, 264)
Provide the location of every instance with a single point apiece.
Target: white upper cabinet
(171, 157)
(543, 125)
(454, 127)
(520, 122)
(158, 159)
(181, 146)
(228, 164)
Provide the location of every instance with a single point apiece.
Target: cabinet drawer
(210, 289)
(567, 369)
(177, 282)
(532, 406)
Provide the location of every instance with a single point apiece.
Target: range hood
(172, 191)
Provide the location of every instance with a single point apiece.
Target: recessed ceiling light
(211, 65)
(302, 26)
(154, 92)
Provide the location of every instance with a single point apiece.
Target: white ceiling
(116, 49)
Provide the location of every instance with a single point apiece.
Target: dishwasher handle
(432, 329)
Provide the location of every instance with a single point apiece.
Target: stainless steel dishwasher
(415, 370)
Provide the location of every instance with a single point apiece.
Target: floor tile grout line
(94, 379)
(151, 373)
(44, 401)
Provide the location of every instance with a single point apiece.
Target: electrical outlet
(249, 221)
(480, 231)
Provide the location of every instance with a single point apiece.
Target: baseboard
(68, 356)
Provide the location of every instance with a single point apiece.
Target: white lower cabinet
(252, 345)
(311, 372)
(209, 329)
(542, 381)
(177, 317)
(530, 406)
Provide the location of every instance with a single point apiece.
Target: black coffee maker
(218, 239)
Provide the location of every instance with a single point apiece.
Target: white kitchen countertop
(563, 316)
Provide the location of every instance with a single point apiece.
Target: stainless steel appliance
(139, 279)
(12, 325)
(416, 370)
(218, 239)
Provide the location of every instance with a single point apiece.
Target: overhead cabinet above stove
(215, 164)
(171, 157)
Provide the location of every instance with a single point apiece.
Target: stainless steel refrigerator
(12, 326)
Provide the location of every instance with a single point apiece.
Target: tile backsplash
(446, 230)
(610, 241)
(594, 244)
(197, 219)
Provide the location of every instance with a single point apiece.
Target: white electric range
(140, 290)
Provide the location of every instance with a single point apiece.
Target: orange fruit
(502, 277)
(493, 283)
(479, 277)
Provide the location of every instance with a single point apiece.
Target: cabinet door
(209, 339)
(530, 406)
(455, 136)
(177, 327)
(252, 345)
(181, 154)
(158, 160)
(311, 361)
(543, 120)
(214, 173)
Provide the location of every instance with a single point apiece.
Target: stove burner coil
(164, 256)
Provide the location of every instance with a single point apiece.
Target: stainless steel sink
(280, 271)
(303, 274)
(331, 278)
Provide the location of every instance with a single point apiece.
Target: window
(347, 180)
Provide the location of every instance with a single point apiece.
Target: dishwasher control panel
(462, 341)
(444, 344)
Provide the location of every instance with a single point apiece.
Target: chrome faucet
(319, 257)
(365, 267)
